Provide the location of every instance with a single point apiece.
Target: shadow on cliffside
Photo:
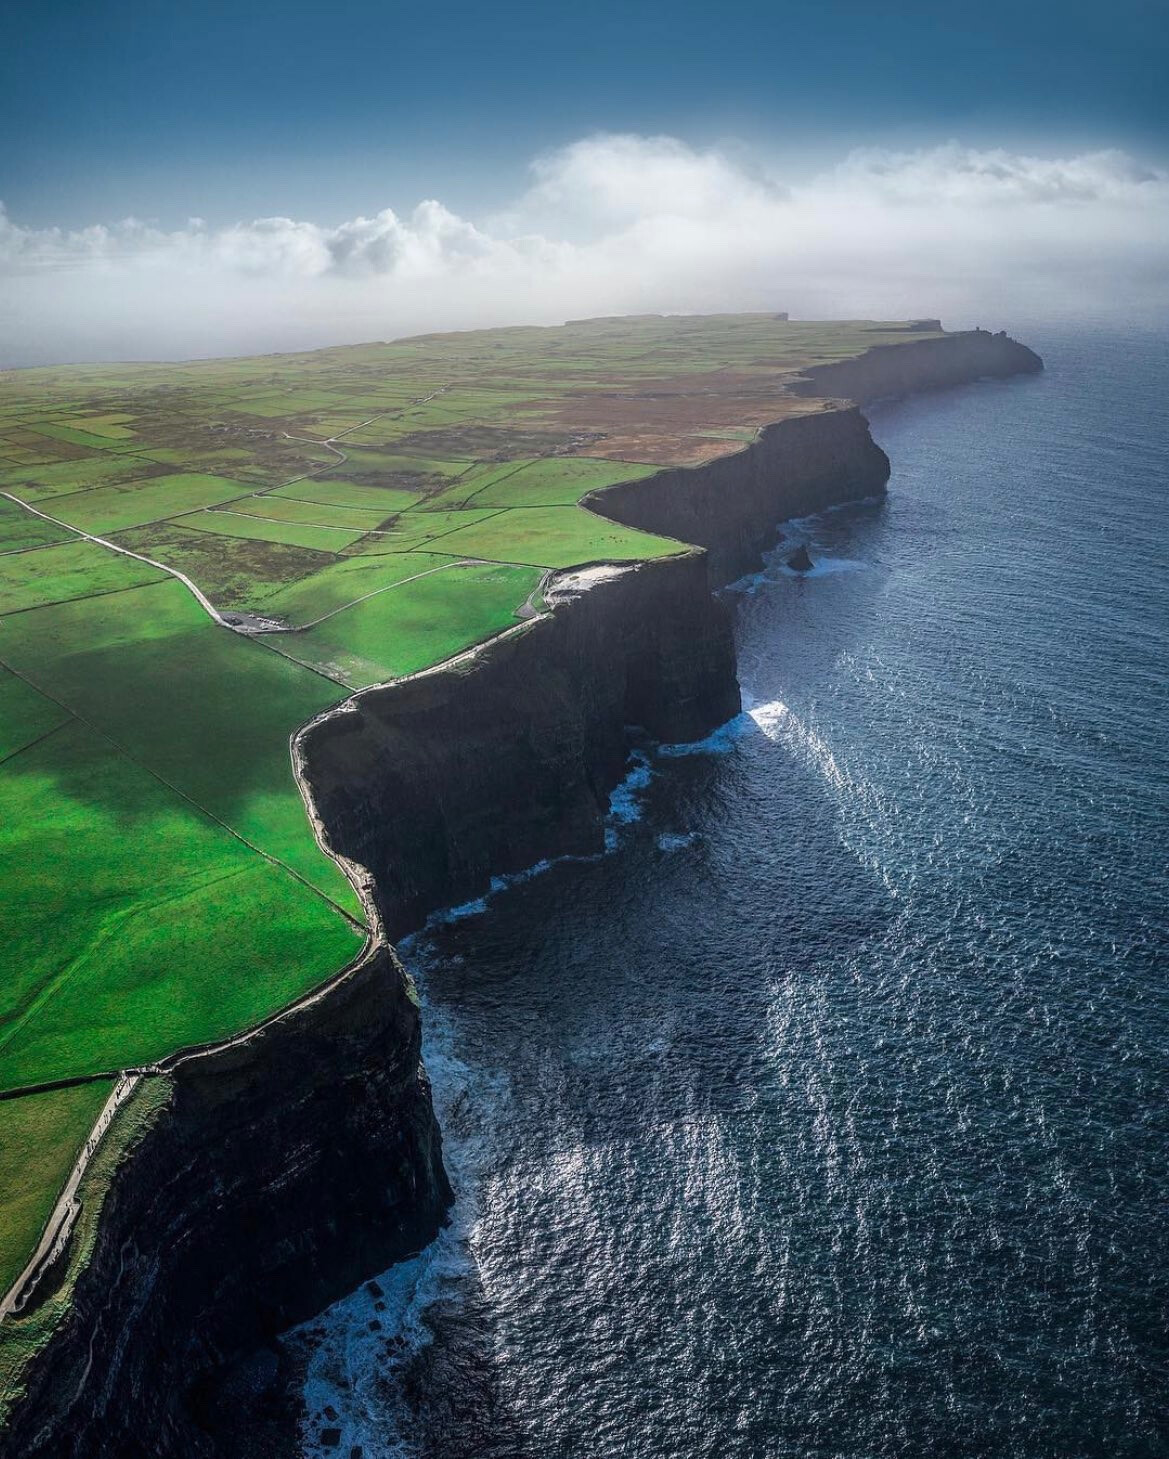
(290, 1168)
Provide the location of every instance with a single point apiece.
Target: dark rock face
(508, 755)
(283, 1171)
(800, 560)
(294, 1164)
(925, 364)
(733, 506)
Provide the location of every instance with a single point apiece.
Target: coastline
(430, 818)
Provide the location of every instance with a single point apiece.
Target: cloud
(611, 223)
(961, 176)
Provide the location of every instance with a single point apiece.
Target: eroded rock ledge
(290, 1166)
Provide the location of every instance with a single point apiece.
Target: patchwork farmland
(346, 516)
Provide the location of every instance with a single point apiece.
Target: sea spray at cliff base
(353, 1359)
(435, 819)
(838, 1127)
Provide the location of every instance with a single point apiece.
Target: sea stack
(800, 561)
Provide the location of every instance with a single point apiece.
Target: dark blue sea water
(827, 1114)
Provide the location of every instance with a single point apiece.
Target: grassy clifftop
(363, 513)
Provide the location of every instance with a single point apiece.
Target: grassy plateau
(363, 512)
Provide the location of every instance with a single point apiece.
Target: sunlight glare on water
(826, 1115)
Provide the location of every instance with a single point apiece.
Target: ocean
(825, 1115)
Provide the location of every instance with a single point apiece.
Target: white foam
(719, 742)
(457, 914)
(780, 724)
(516, 878)
(824, 567)
(351, 1367)
(625, 805)
(799, 532)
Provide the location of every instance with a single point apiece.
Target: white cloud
(610, 223)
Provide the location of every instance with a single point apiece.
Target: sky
(222, 177)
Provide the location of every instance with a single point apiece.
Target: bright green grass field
(415, 531)
(330, 493)
(324, 428)
(460, 492)
(313, 514)
(104, 429)
(554, 537)
(555, 481)
(76, 569)
(209, 712)
(136, 925)
(277, 405)
(40, 1138)
(345, 581)
(364, 462)
(81, 438)
(293, 534)
(416, 624)
(132, 504)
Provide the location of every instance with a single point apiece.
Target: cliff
(926, 364)
(507, 755)
(733, 506)
(278, 1172)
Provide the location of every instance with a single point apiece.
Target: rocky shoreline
(285, 1168)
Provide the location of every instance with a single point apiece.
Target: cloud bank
(612, 223)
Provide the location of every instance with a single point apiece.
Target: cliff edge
(270, 1176)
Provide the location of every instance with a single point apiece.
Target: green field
(416, 623)
(207, 712)
(30, 483)
(560, 481)
(417, 529)
(40, 1138)
(345, 582)
(75, 569)
(19, 529)
(266, 529)
(105, 509)
(233, 571)
(552, 537)
(163, 884)
(116, 967)
(324, 492)
(273, 508)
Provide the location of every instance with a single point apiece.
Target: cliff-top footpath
(362, 584)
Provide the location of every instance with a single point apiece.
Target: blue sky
(240, 108)
(185, 178)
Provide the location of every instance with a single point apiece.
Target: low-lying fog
(613, 224)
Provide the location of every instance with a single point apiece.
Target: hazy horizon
(611, 224)
(247, 179)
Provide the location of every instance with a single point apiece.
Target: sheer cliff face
(508, 755)
(733, 506)
(283, 1170)
(927, 364)
(293, 1164)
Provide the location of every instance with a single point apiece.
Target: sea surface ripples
(826, 1114)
